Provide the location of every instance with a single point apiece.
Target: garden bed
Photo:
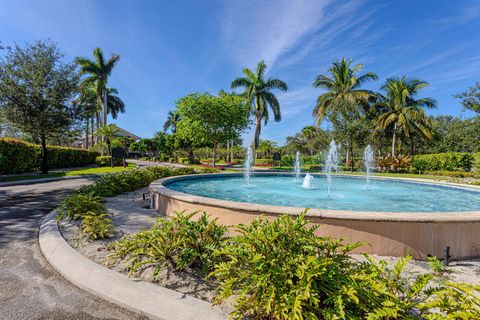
(130, 213)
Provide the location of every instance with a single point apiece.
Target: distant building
(81, 142)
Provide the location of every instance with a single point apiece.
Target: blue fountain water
(347, 193)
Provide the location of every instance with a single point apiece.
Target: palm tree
(171, 122)
(257, 91)
(87, 102)
(344, 97)
(115, 105)
(98, 71)
(110, 132)
(401, 111)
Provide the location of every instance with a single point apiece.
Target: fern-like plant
(97, 226)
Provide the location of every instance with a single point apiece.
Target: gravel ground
(130, 214)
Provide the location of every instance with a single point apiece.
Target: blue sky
(171, 48)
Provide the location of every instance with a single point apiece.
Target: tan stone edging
(141, 297)
(161, 187)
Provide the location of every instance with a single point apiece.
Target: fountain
(248, 166)
(331, 163)
(307, 181)
(368, 162)
(297, 167)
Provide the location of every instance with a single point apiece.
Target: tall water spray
(368, 162)
(297, 168)
(331, 163)
(248, 166)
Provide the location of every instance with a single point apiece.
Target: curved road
(29, 287)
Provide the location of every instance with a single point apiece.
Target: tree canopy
(36, 91)
(206, 119)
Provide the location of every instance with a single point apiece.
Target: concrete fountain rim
(160, 187)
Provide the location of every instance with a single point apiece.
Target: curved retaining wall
(418, 234)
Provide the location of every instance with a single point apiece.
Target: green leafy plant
(75, 207)
(198, 241)
(436, 265)
(282, 270)
(180, 241)
(97, 226)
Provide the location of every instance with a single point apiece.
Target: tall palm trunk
(231, 150)
(98, 126)
(394, 139)
(258, 129)
(104, 109)
(86, 132)
(92, 129)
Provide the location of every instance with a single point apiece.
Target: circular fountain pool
(347, 193)
(393, 216)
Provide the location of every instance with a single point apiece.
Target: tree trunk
(258, 129)
(214, 154)
(86, 133)
(228, 151)
(231, 150)
(92, 129)
(412, 145)
(98, 127)
(352, 167)
(347, 156)
(393, 139)
(44, 154)
(104, 109)
(191, 156)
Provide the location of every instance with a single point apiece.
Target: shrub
(97, 226)
(180, 241)
(20, 156)
(454, 174)
(436, 265)
(104, 161)
(476, 162)
(263, 162)
(396, 163)
(450, 161)
(281, 270)
(75, 207)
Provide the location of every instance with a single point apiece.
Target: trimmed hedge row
(104, 161)
(450, 161)
(476, 162)
(19, 156)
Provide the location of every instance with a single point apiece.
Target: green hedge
(450, 161)
(19, 156)
(263, 161)
(105, 161)
(476, 162)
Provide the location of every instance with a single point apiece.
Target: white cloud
(252, 31)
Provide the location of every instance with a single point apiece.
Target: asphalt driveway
(29, 287)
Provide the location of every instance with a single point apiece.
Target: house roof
(126, 133)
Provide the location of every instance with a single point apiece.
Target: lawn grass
(98, 170)
(76, 172)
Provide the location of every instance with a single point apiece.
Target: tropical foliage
(345, 102)
(258, 92)
(401, 111)
(181, 242)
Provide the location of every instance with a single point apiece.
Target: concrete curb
(141, 297)
(43, 180)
